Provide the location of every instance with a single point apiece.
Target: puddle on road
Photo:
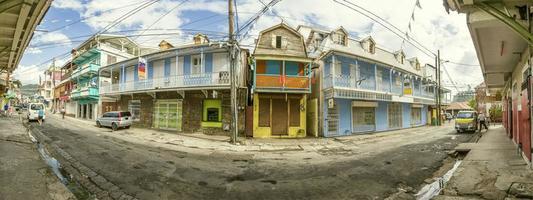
(431, 190)
(71, 185)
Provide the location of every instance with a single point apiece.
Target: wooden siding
(293, 43)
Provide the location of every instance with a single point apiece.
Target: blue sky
(432, 27)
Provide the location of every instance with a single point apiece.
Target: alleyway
(356, 167)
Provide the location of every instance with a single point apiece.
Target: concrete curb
(96, 184)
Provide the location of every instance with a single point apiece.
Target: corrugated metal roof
(19, 18)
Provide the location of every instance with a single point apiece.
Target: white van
(33, 111)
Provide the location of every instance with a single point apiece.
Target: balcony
(87, 92)
(282, 83)
(85, 71)
(347, 86)
(196, 81)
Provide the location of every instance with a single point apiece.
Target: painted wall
(424, 114)
(344, 107)
(406, 115)
(382, 117)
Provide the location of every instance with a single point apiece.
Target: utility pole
(233, 77)
(439, 117)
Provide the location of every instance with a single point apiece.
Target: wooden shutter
(264, 112)
(294, 112)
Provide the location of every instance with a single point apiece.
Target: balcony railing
(349, 82)
(85, 70)
(84, 92)
(179, 81)
(279, 82)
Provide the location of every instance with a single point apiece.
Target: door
(525, 132)
(363, 119)
(280, 116)
(168, 114)
(332, 118)
(395, 115)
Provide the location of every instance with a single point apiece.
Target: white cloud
(68, 4)
(433, 27)
(28, 74)
(32, 50)
(43, 40)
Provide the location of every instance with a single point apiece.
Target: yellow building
(281, 83)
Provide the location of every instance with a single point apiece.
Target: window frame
(198, 66)
(279, 41)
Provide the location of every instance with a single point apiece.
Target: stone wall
(147, 105)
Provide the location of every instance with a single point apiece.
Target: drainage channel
(75, 188)
(433, 189)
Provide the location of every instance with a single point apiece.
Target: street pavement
(23, 174)
(149, 164)
(492, 169)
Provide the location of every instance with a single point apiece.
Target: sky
(69, 22)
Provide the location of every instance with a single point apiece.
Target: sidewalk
(492, 169)
(23, 174)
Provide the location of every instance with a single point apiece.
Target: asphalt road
(148, 172)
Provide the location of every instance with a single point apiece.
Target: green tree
(472, 103)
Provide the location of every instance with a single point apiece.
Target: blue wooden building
(361, 88)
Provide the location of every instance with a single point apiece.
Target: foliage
(496, 112)
(472, 103)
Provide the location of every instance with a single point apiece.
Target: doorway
(280, 117)
(168, 114)
(363, 119)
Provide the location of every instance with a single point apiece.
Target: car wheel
(127, 127)
(98, 124)
(114, 126)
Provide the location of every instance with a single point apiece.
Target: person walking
(482, 121)
(63, 112)
(41, 116)
(6, 107)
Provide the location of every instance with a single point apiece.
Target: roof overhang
(498, 47)
(19, 18)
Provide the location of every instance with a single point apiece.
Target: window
(293, 68)
(111, 59)
(340, 39)
(363, 119)
(372, 47)
(278, 41)
(196, 65)
(212, 110)
(134, 106)
(212, 114)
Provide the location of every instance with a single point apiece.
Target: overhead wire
(88, 17)
(161, 17)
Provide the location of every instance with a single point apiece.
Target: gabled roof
(341, 29)
(368, 38)
(282, 25)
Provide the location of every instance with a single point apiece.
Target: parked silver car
(115, 120)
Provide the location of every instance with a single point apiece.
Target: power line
(162, 16)
(88, 17)
(128, 14)
(431, 54)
